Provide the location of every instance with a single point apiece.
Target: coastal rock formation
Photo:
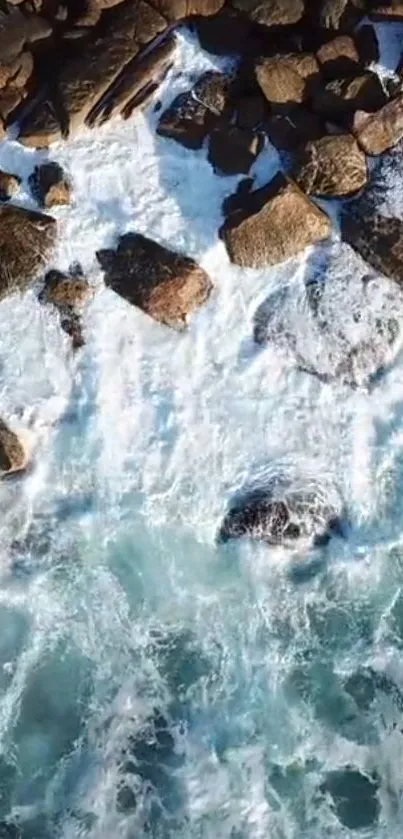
(49, 185)
(26, 241)
(333, 166)
(272, 12)
(275, 223)
(288, 79)
(380, 131)
(12, 453)
(187, 121)
(164, 284)
(9, 185)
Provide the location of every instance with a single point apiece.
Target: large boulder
(380, 131)
(272, 12)
(333, 167)
(26, 241)
(12, 453)
(288, 79)
(284, 508)
(276, 222)
(341, 98)
(166, 285)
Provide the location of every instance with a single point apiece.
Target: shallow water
(154, 683)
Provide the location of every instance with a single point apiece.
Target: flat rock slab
(276, 223)
(26, 241)
(333, 166)
(166, 285)
(12, 453)
(376, 133)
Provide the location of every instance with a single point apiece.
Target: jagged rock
(338, 14)
(213, 90)
(355, 797)
(284, 509)
(9, 185)
(288, 131)
(276, 223)
(12, 454)
(339, 57)
(288, 79)
(378, 239)
(272, 12)
(333, 167)
(26, 241)
(49, 185)
(164, 284)
(187, 121)
(380, 131)
(343, 97)
(393, 10)
(232, 150)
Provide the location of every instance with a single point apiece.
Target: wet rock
(12, 453)
(338, 14)
(290, 130)
(213, 91)
(333, 166)
(68, 292)
(393, 10)
(288, 79)
(9, 185)
(354, 797)
(341, 98)
(187, 121)
(272, 12)
(26, 241)
(164, 284)
(283, 511)
(251, 110)
(233, 150)
(339, 57)
(40, 127)
(49, 185)
(378, 239)
(276, 223)
(380, 131)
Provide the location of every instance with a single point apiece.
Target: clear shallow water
(122, 623)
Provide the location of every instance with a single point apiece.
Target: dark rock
(272, 12)
(49, 185)
(9, 185)
(40, 126)
(338, 14)
(187, 121)
(227, 33)
(354, 797)
(288, 79)
(26, 241)
(378, 239)
(333, 166)
(341, 98)
(213, 90)
(366, 41)
(164, 284)
(339, 58)
(70, 290)
(72, 326)
(252, 110)
(291, 130)
(276, 223)
(232, 150)
(392, 10)
(236, 201)
(378, 132)
(12, 454)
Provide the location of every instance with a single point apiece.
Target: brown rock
(339, 14)
(9, 185)
(49, 185)
(392, 10)
(339, 57)
(291, 130)
(288, 79)
(26, 241)
(380, 131)
(40, 127)
(66, 291)
(378, 240)
(12, 454)
(187, 121)
(175, 10)
(232, 150)
(333, 167)
(276, 223)
(164, 284)
(341, 98)
(17, 30)
(213, 90)
(272, 12)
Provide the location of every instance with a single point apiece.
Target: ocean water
(154, 683)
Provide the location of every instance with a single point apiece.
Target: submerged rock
(26, 241)
(166, 285)
(354, 797)
(49, 185)
(284, 510)
(12, 453)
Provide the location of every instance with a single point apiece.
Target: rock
(378, 239)
(354, 797)
(333, 167)
(236, 200)
(276, 223)
(339, 58)
(288, 79)
(393, 10)
(378, 132)
(366, 41)
(66, 291)
(272, 12)
(339, 14)
(290, 130)
(17, 30)
(227, 33)
(284, 510)
(26, 241)
(251, 110)
(164, 284)
(213, 90)
(341, 98)
(49, 185)
(9, 185)
(12, 454)
(40, 127)
(176, 10)
(232, 150)
(187, 121)
(71, 325)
